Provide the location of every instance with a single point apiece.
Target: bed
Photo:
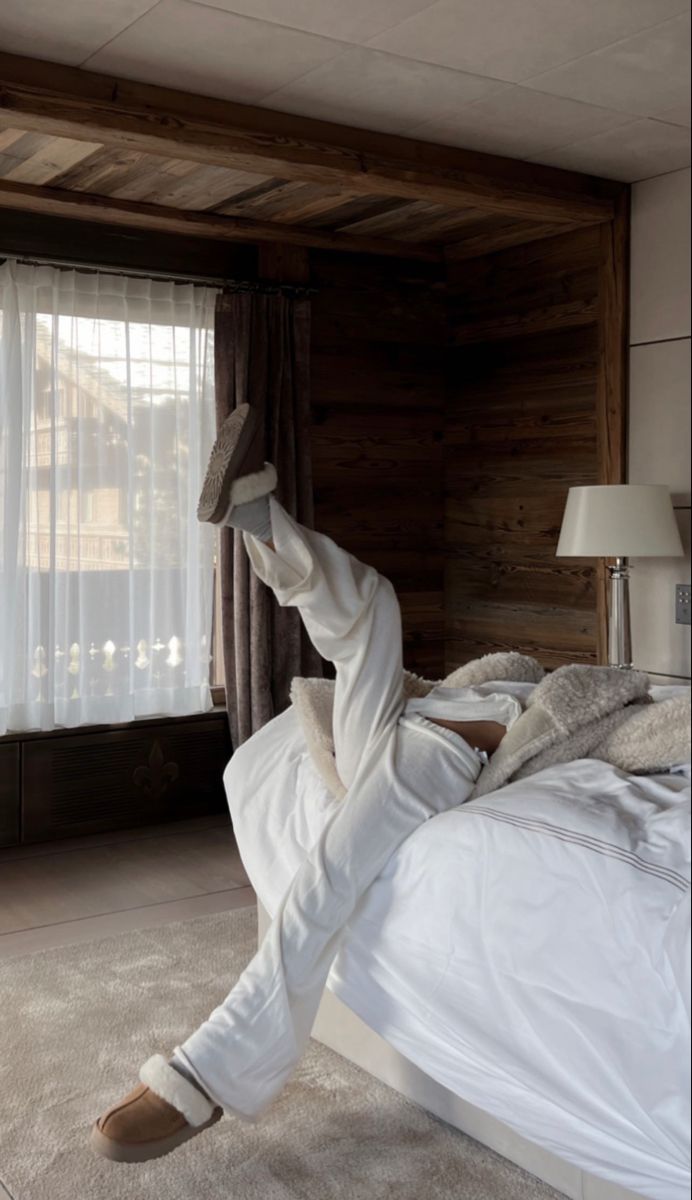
(521, 966)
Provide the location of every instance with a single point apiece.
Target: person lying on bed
(402, 763)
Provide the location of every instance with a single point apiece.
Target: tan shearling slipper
(161, 1113)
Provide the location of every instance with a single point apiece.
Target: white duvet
(529, 950)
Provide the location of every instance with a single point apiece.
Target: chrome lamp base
(619, 629)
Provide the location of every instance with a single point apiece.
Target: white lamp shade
(619, 521)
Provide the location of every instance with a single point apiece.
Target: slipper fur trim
(175, 1089)
(251, 487)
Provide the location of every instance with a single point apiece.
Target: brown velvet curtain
(262, 350)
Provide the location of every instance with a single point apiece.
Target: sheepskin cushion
(509, 664)
(576, 695)
(656, 737)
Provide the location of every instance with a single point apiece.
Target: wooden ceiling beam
(56, 202)
(504, 237)
(69, 102)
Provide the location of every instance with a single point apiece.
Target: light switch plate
(682, 603)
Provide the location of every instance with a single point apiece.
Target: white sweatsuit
(400, 769)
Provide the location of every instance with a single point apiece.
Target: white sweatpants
(398, 773)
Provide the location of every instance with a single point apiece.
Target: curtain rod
(226, 285)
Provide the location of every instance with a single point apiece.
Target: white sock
(253, 517)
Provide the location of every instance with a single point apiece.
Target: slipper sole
(225, 463)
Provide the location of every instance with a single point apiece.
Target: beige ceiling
(601, 86)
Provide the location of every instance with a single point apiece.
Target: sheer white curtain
(106, 421)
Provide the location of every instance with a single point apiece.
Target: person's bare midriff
(485, 735)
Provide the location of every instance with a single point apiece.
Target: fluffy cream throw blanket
(575, 712)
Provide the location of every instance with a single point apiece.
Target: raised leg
(352, 617)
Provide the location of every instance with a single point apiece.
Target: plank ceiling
(91, 168)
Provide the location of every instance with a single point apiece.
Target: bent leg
(352, 617)
(244, 1053)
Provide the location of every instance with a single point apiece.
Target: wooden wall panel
(546, 285)
(521, 428)
(379, 334)
(481, 403)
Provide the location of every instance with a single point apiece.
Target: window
(106, 422)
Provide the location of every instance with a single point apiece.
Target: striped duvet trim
(587, 841)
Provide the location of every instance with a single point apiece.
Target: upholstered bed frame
(339, 1028)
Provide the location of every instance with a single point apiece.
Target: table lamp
(619, 521)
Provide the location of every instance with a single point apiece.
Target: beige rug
(78, 1021)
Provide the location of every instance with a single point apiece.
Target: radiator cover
(9, 794)
(148, 772)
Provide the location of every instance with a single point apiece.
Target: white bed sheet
(528, 950)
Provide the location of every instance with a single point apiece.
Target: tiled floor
(59, 893)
